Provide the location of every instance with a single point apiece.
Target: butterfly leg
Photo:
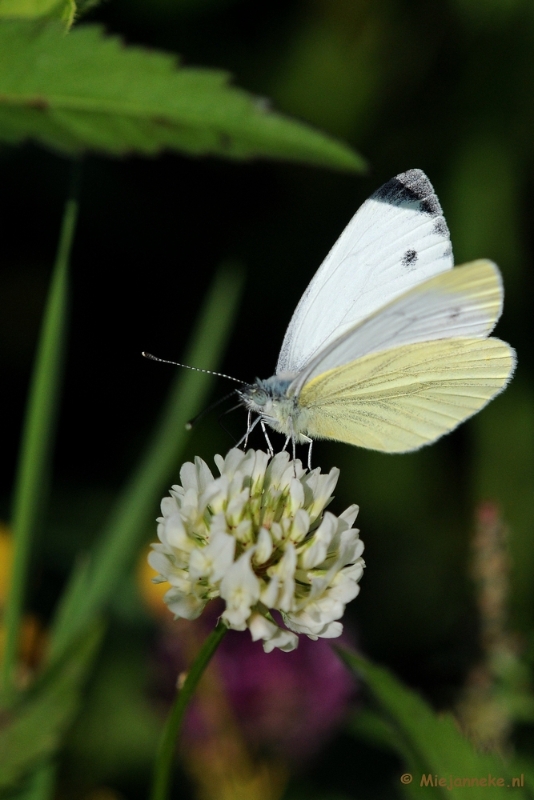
(250, 428)
(249, 415)
(293, 445)
(310, 442)
(269, 445)
(286, 442)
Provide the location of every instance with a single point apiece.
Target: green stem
(32, 478)
(164, 757)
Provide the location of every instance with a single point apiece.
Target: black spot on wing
(409, 259)
(441, 227)
(411, 187)
(431, 206)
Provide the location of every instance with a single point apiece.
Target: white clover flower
(258, 536)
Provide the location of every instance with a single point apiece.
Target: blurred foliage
(32, 728)
(93, 581)
(429, 746)
(446, 87)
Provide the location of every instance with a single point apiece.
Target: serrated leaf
(64, 10)
(430, 745)
(87, 91)
(31, 729)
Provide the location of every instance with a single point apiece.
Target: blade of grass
(94, 582)
(38, 432)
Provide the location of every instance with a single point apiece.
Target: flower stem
(164, 757)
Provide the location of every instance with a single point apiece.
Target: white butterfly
(388, 347)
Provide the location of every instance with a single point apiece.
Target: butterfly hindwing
(400, 399)
(465, 301)
(396, 240)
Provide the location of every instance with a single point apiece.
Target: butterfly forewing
(465, 301)
(400, 399)
(396, 240)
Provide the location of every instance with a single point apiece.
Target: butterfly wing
(400, 399)
(465, 301)
(396, 240)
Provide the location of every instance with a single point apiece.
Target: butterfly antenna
(196, 369)
(193, 422)
(223, 426)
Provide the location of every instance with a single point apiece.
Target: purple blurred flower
(286, 705)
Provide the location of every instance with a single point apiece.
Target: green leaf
(95, 579)
(372, 727)
(86, 91)
(64, 10)
(430, 745)
(32, 729)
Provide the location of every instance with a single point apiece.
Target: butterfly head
(260, 395)
(273, 401)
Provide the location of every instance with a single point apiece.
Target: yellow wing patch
(478, 282)
(400, 399)
(462, 302)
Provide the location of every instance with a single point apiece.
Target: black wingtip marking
(410, 187)
(409, 259)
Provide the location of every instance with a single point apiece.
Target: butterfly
(388, 348)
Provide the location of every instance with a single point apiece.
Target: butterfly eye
(258, 394)
(255, 394)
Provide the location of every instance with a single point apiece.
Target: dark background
(446, 87)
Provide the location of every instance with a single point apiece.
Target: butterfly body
(388, 348)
